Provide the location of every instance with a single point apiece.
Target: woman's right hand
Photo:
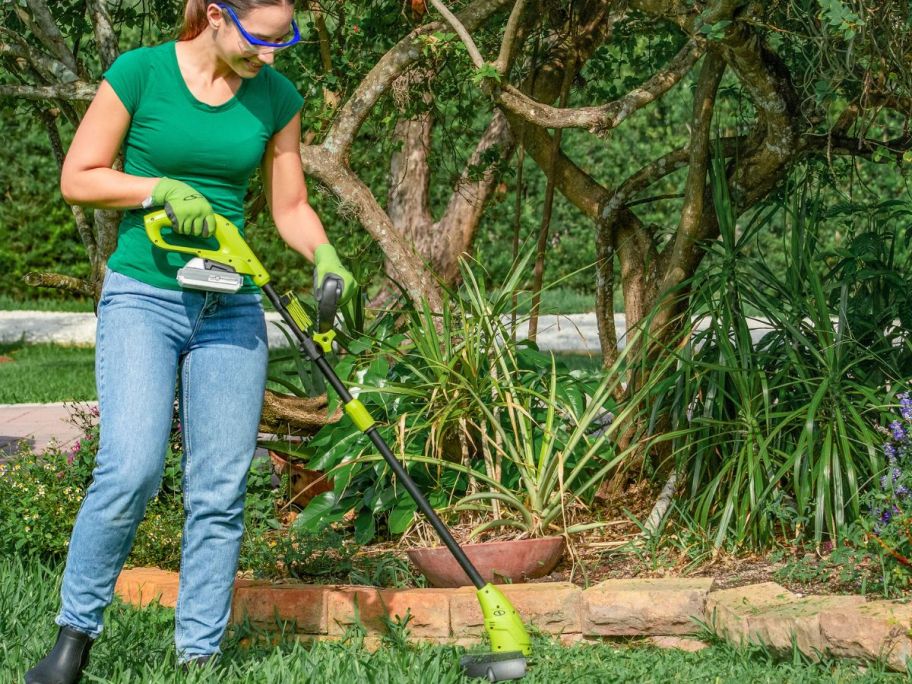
(189, 211)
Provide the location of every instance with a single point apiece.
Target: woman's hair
(195, 13)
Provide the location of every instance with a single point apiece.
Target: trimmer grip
(328, 296)
(232, 250)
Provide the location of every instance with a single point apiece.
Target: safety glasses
(258, 44)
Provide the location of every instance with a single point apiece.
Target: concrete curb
(577, 333)
(664, 610)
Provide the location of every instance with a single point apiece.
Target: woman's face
(270, 23)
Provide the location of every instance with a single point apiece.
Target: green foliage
(854, 566)
(839, 18)
(777, 436)
(36, 226)
(324, 557)
(467, 409)
(301, 554)
(40, 495)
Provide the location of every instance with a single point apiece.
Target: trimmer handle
(232, 251)
(328, 295)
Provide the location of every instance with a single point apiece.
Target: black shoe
(66, 661)
(202, 662)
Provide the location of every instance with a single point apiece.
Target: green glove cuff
(167, 189)
(325, 257)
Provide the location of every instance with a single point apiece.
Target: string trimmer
(221, 270)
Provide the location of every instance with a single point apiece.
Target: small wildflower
(899, 432)
(890, 452)
(905, 406)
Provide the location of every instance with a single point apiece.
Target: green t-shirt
(214, 149)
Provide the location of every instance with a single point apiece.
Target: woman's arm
(87, 177)
(286, 191)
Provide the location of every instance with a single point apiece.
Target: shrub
(40, 495)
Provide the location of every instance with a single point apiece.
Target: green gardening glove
(189, 211)
(326, 263)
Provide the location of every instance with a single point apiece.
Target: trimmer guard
(502, 623)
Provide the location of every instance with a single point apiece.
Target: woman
(195, 118)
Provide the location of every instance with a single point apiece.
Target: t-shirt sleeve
(286, 101)
(127, 75)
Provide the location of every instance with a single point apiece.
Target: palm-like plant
(777, 433)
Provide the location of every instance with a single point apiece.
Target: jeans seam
(185, 479)
(185, 432)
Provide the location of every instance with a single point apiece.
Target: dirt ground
(618, 551)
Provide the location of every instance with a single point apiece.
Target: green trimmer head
(508, 636)
(509, 639)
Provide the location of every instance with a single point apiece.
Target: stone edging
(842, 626)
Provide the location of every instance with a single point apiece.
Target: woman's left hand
(326, 263)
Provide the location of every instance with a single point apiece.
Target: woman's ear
(214, 15)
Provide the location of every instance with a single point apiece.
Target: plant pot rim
(513, 560)
(489, 544)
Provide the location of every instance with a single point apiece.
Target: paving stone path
(36, 424)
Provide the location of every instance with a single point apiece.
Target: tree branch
(42, 23)
(63, 91)
(408, 198)
(105, 38)
(767, 82)
(604, 117)
(509, 37)
(683, 248)
(455, 230)
(43, 63)
(59, 282)
(400, 257)
(322, 33)
(462, 32)
(393, 64)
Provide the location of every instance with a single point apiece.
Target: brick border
(663, 609)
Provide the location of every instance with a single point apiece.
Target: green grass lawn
(44, 373)
(72, 305)
(137, 646)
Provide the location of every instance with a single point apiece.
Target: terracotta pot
(304, 484)
(498, 562)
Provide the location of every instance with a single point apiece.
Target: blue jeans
(212, 348)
